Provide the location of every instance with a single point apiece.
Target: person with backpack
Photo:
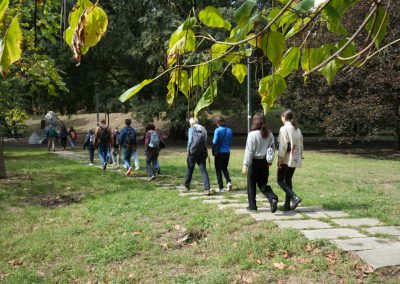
(290, 156)
(255, 163)
(116, 153)
(73, 135)
(129, 144)
(51, 135)
(197, 154)
(102, 141)
(63, 137)
(222, 143)
(152, 142)
(89, 145)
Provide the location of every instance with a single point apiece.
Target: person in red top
(152, 143)
(74, 136)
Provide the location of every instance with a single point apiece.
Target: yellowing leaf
(290, 62)
(10, 47)
(184, 44)
(207, 98)
(3, 9)
(273, 45)
(134, 90)
(270, 88)
(218, 49)
(280, 265)
(212, 17)
(199, 75)
(239, 71)
(95, 26)
(180, 31)
(73, 19)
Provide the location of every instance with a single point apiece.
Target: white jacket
(256, 146)
(288, 134)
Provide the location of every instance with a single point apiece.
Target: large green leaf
(297, 26)
(171, 91)
(341, 6)
(181, 31)
(239, 71)
(304, 6)
(10, 47)
(270, 88)
(244, 10)
(329, 70)
(242, 29)
(181, 79)
(349, 51)
(273, 45)
(333, 20)
(134, 90)
(95, 26)
(217, 49)
(207, 98)
(74, 17)
(311, 57)
(286, 20)
(184, 44)
(3, 9)
(199, 75)
(290, 62)
(212, 17)
(381, 20)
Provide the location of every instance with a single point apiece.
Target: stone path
(374, 243)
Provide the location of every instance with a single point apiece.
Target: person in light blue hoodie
(222, 143)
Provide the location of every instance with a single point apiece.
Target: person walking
(129, 144)
(102, 141)
(222, 143)
(51, 135)
(63, 137)
(116, 146)
(89, 145)
(290, 155)
(255, 164)
(197, 154)
(152, 142)
(73, 135)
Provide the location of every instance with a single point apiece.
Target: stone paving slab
(303, 224)
(357, 222)
(207, 197)
(364, 243)
(377, 258)
(217, 201)
(332, 233)
(315, 214)
(308, 209)
(390, 230)
(245, 211)
(232, 205)
(335, 214)
(260, 216)
(191, 193)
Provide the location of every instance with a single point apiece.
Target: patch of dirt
(59, 201)
(180, 237)
(14, 179)
(390, 273)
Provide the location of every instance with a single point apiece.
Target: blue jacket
(124, 132)
(224, 146)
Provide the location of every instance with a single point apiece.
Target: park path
(376, 244)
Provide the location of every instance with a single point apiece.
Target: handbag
(214, 148)
(270, 155)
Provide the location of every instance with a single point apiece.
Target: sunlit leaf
(333, 20)
(134, 90)
(270, 88)
(244, 10)
(290, 62)
(199, 75)
(255, 42)
(304, 6)
(207, 98)
(239, 71)
(297, 26)
(74, 17)
(181, 31)
(311, 57)
(242, 29)
(95, 26)
(329, 70)
(349, 51)
(212, 17)
(184, 44)
(3, 9)
(10, 47)
(273, 45)
(180, 78)
(218, 49)
(381, 20)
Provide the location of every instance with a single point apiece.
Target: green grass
(105, 227)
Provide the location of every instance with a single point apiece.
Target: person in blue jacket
(222, 143)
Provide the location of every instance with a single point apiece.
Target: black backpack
(198, 145)
(131, 139)
(104, 135)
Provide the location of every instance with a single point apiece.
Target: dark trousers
(285, 175)
(91, 154)
(191, 162)
(221, 162)
(151, 162)
(64, 142)
(257, 175)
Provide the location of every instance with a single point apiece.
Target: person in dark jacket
(102, 140)
(152, 143)
(63, 137)
(89, 145)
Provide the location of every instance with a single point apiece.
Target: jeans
(151, 161)
(128, 152)
(103, 150)
(91, 154)
(221, 162)
(285, 175)
(191, 162)
(257, 175)
(116, 155)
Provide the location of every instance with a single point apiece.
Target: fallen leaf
(16, 263)
(279, 265)
(131, 275)
(285, 254)
(136, 233)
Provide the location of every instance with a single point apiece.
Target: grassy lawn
(62, 221)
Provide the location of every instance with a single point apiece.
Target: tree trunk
(398, 135)
(3, 173)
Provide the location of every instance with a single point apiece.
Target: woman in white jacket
(290, 155)
(255, 164)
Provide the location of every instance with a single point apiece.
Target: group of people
(259, 155)
(52, 136)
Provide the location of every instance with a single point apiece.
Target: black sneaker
(274, 205)
(158, 171)
(104, 166)
(251, 209)
(295, 201)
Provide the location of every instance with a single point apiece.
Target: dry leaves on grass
(16, 263)
(280, 265)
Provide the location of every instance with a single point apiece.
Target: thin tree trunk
(398, 135)
(3, 173)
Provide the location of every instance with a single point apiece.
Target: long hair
(259, 124)
(288, 115)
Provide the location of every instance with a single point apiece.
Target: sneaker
(152, 178)
(137, 168)
(228, 186)
(158, 171)
(207, 192)
(220, 190)
(104, 166)
(295, 201)
(274, 205)
(128, 172)
(90, 164)
(251, 209)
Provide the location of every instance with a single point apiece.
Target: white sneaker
(219, 190)
(152, 178)
(137, 168)
(228, 186)
(90, 164)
